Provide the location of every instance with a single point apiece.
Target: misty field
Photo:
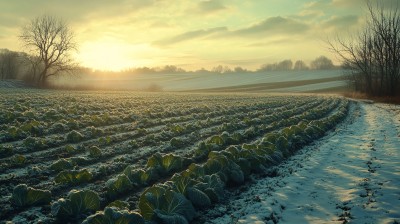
(66, 155)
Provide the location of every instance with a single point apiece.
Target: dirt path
(352, 175)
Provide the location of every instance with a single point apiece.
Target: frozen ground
(313, 87)
(352, 175)
(185, 82)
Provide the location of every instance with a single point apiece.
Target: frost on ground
(350, 176)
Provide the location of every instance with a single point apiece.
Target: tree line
(320, 63)
(20, 65)
(14, 65)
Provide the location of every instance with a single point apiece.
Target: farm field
(113, 145)
(162, 157)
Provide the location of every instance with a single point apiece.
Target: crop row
(222, 127)
(201, 185)
(192, 140)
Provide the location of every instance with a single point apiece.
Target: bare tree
(372, 56)
(50, 40)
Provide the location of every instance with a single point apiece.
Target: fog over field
(281, 81)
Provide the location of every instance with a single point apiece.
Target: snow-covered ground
(184, 82)
(351, 175)
(313, 87)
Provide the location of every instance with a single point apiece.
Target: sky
(120, 34)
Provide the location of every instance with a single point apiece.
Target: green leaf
(82, 201)
(198, 198)
(73, 176)
(36, 196)
(62, 209)
(171, 163)
(181, 183)
(61, 164)
(249, 146)
(6, 150)
(24, 196)
(218, 140)
(118, 185)
(112, 215)
(135, 175)
(154, 160)
(150, 175)
(244, 165)
(19, 195)
(271, 137)
(18, 159)
(74, 137)
(176, 203)
(162, 217)
(194, 171)
(176, 142)
(282, 145)
(95, 151)
(149, 200)
(212, 194)
(77, 203)
(165, 164)
(119, 204)
(235, 173)
(160, 200)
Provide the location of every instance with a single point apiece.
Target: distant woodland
(20, 65)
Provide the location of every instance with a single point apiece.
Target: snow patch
(351, 175)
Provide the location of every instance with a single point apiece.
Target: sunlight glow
(110, 55)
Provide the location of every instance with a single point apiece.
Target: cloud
(274, 25)
(280, 41)
(190, 35)
(210, 6)
(73, 10)
(341, 22)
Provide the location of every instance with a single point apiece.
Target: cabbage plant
(73, 176)
(118, 185)
(74, 137)
(61, 164)
(166, 164)
(76, 203)
(24, 196)
(162, 205)
(112, 215)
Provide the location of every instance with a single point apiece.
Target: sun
(107, 55)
